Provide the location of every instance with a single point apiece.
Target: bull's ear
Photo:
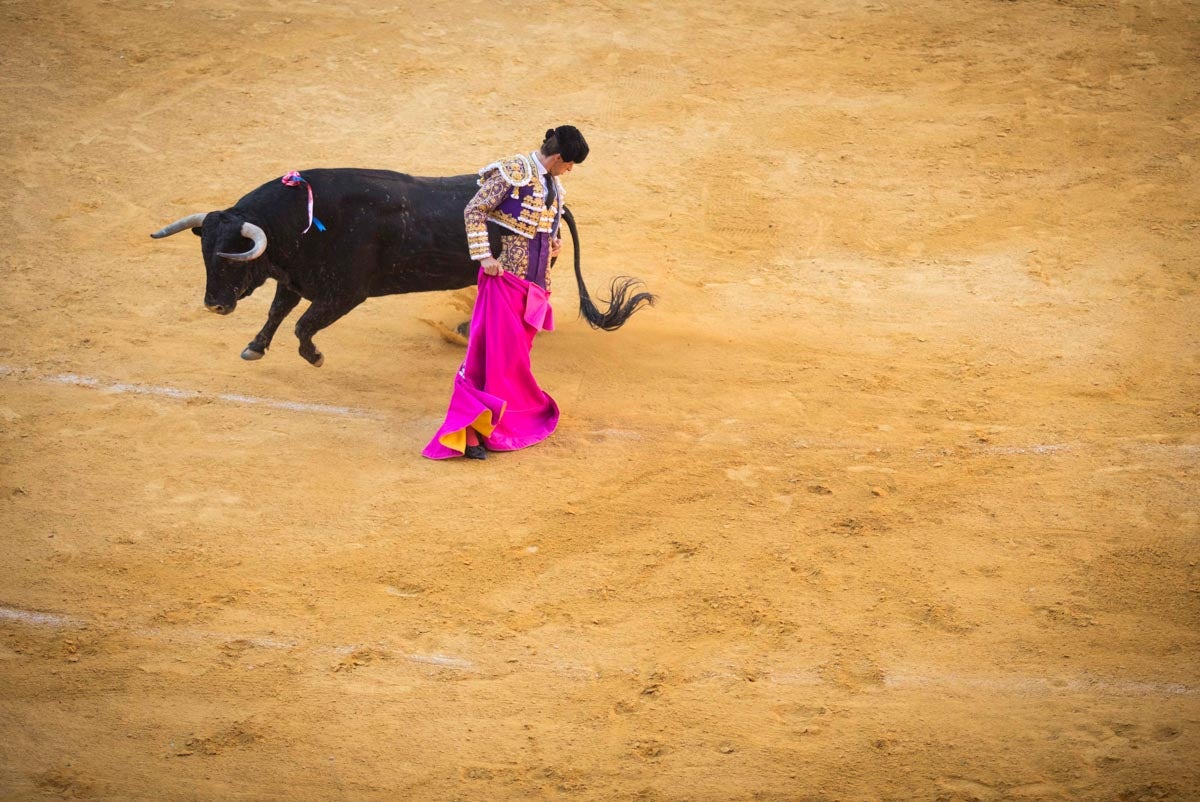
(198, 231)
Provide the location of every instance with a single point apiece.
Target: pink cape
(494, 391)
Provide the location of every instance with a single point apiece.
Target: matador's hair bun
(566, 141)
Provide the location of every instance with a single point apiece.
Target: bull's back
(385, 232)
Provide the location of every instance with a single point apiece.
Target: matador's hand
(491, 265)
(555, 246)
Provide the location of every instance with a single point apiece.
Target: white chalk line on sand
(55, 621)
(897, 679)
(177, 394)
(39, 619)
(77, 380)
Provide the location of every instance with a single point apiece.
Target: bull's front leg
(319, 315)
(285, 301)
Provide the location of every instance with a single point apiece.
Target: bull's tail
(622, 302)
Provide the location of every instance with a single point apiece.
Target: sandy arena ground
(892, 497)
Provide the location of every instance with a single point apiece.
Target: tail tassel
(623, 298)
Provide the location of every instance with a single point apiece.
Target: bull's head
(224, 237)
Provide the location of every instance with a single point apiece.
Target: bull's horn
(252, 232)
(191, 221)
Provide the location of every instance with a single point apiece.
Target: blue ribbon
(292, 179)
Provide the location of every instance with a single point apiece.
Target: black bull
(386, 233)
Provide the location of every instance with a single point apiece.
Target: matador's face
(555, 166)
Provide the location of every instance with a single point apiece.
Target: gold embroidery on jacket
(514, 257)
(491, 192)
(496, 181)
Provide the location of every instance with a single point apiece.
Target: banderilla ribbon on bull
(294, 179)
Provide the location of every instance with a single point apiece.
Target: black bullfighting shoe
(475, 452)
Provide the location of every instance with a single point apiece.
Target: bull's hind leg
(285, 301)
(315, 318)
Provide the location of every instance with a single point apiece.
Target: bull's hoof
(464, 328)
(250, 354)
(318, 362)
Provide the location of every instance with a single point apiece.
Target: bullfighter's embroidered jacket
(511, 196)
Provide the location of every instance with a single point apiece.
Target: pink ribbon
(294, 178)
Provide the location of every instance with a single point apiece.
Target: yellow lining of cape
(457, 440)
